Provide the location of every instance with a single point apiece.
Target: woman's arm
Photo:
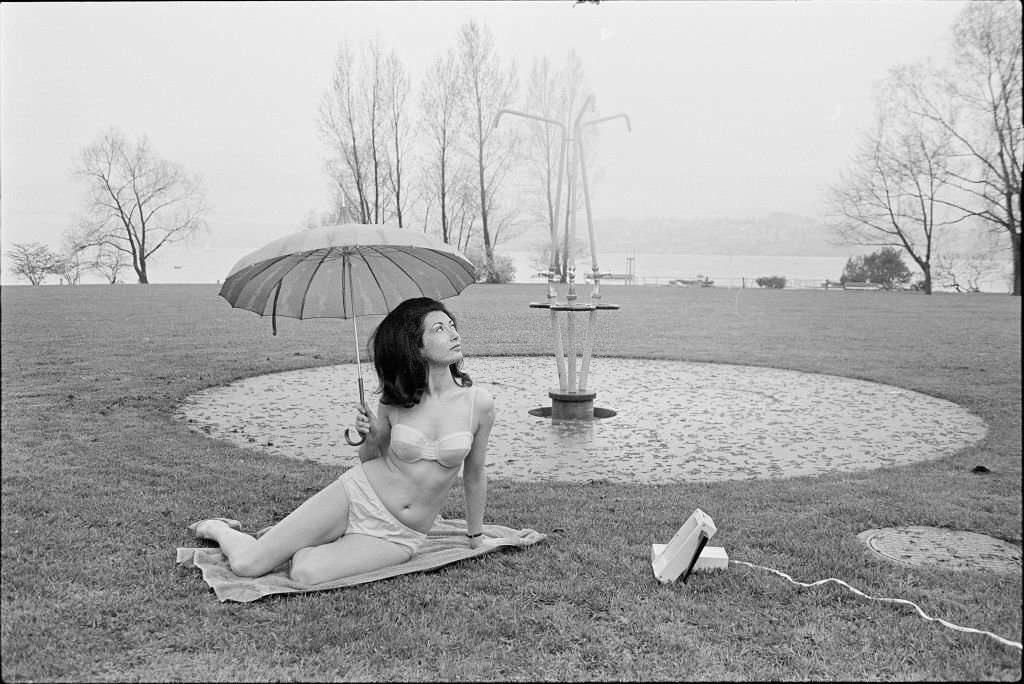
(377, 429)
(474, 477)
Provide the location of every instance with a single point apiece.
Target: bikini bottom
(368, 515)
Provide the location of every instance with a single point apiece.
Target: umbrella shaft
(359, 368)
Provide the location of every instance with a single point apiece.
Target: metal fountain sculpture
(573, 400)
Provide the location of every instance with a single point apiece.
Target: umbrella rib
(346, 270)
(442, 254)
(309, 283)
(471, 274)
(407, 274)
(265, 266)
(374, 275)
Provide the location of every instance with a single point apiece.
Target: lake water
(208, 265)
(183, 264)
(726, 270)
(721, 268)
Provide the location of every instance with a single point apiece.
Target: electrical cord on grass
(1005, 642)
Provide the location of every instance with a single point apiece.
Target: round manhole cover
(950, 549)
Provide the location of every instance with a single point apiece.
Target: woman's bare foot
(201, 529)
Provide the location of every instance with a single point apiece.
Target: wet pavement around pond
(675, 421)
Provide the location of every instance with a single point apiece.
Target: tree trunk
(140, 271)
(1015, 245)
(444, 200)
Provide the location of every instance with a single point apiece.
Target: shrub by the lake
(774, 282)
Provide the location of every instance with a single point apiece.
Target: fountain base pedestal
(572, 405)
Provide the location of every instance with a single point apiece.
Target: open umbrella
(345, 271)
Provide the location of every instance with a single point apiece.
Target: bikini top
(410, 444)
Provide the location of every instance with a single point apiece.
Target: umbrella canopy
(345, 271)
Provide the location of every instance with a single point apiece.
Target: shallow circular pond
(674, 420)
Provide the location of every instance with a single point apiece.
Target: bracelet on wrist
(474, 536)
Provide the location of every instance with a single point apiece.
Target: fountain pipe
(552, 295)
(595, 292)
(554, 219)
(571, 338)
(578, 162)
(559, 351)
(569, 235)
(587, 347)
(609, 118)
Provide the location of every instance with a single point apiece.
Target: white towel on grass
(446, 543)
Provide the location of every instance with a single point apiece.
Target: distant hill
(775, 234)
(771, 235)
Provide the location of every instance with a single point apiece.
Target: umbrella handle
(349, 439)
(362, 402)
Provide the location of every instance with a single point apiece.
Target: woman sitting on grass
(431, 420)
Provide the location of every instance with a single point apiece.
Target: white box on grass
(711, 558)
(688, 550)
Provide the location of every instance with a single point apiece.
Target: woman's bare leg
(350, 555)
(320, 519)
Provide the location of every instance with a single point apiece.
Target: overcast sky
(737, 108)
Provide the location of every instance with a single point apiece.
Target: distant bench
(851, 285)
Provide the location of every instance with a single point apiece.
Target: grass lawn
(99, 483)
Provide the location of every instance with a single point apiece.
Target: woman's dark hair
(396, 344)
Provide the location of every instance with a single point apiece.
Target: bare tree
(340, 126)
(488, 88)
(895, 193)
(32, 261)
(465, 214)
(351, 121)
(439, 106)
(137, 202)
(964, 271)
(108, 263)
(545, 145)
(102, 259)
(373, 97)
(66, 270)
(395, 84)
(978, 102)
(461, 206)
(73, 245)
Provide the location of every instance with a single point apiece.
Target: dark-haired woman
(431, 421)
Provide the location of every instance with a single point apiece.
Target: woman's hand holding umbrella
(362, 407)
(365, 425)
